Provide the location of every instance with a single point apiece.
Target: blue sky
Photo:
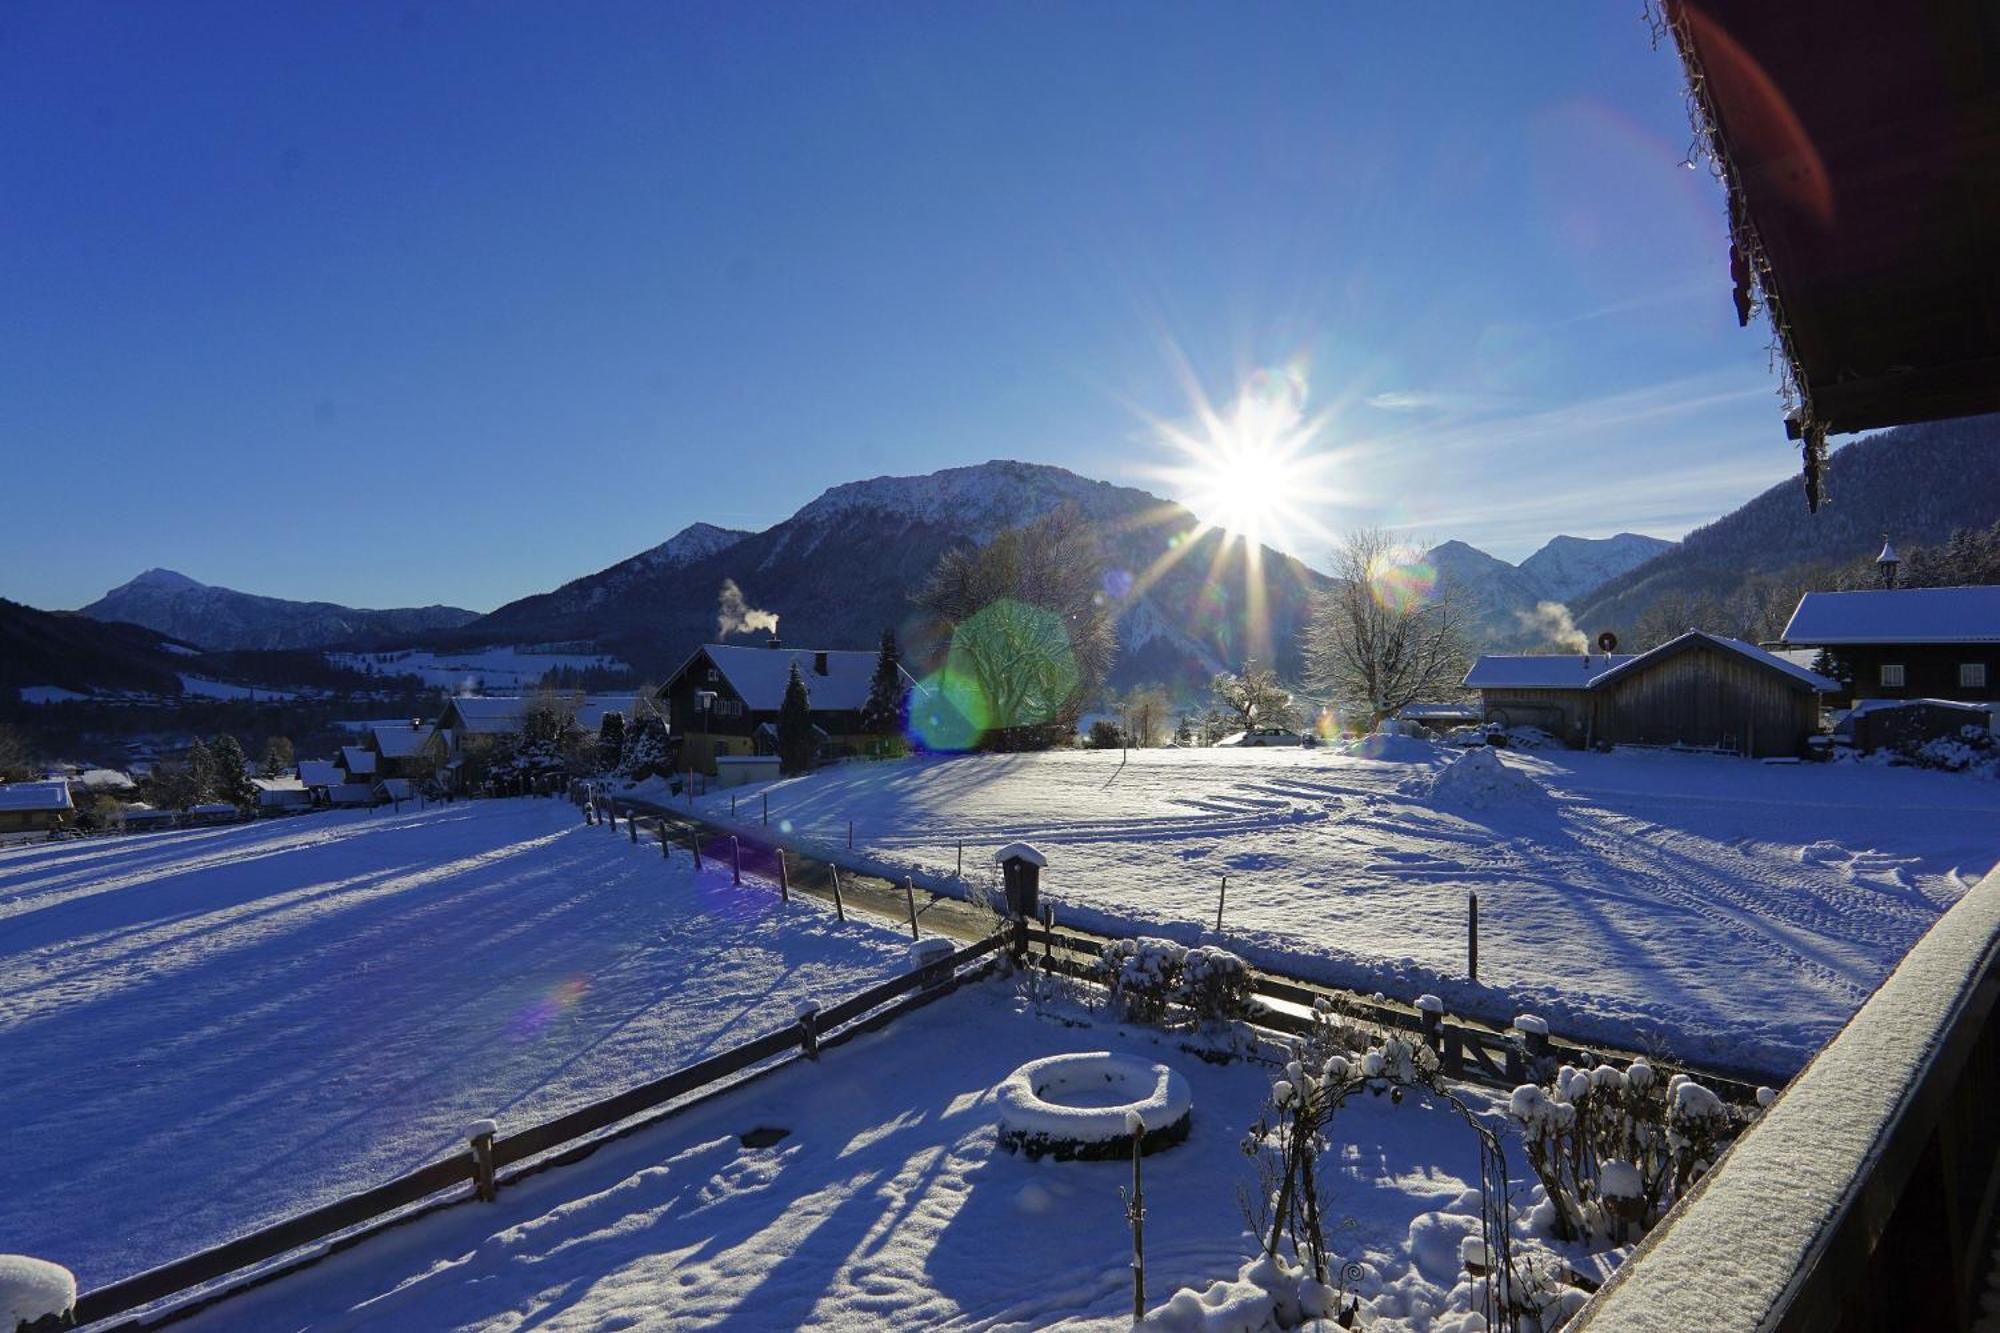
(390, 304)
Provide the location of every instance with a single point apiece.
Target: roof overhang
(1859, 143)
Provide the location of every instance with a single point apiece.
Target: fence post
(839, 908)
(960, 872)
(784, 879)
(1220, 899)
(632, 826)
(732, 805)
(809, 1028)
(1472, 937)
(1049, 937)
(665, 855)
(589, 813)
(1136, 1212)
(766, 798)
(910, 897)
(735, 860)
(850, 835)
(690, 786)
(479, 1134)
(694, 842)
(1430, 1010)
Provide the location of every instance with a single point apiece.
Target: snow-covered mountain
(1501, 600)
(843, 567)
(596, 599)
(222, 618)
(1569, 567)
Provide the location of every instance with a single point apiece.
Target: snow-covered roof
(1541, 671)
(21, 796)
(1020, 851)
(759, 675)
(397, 789)
(1418, 712)
(1812, 680)
(1898, 615)
(357, 761)
(400, 740)
(278, 784)
(498, 714)
(105, 779)
(320, 773)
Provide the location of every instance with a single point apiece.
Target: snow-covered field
(494, 670)
(207, 1030)
(1728, 911)
(889, 1205)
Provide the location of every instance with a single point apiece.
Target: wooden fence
(1470, 1051)
(472, 1172)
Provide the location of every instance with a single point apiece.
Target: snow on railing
(1863, 1196)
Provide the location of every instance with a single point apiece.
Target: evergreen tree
(611, 742)
(199, 785)
(1184, 734)
(645, 749)
(232, 777)
(882, 715)
(796, 746)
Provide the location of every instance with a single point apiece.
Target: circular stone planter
(1074, 1107)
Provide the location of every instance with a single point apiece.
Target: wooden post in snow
(910, 897)
(694, 844)
(1136, 1211)
(839, 908)
(1221, 898)
(766, 798)
(784, 879)
(665, 855)
(479, 1135)
(960, 872)
(632, 826)
(1472, 937)
(735, 860)
(850, 835)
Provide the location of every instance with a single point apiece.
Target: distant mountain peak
(161, 580)
(215, 617)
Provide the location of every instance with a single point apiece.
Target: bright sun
(1253, 470)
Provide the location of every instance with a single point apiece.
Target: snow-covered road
(1728, 911)
(204, 1031)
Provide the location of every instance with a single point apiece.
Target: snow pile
(1082, 1105)
(1481, 780)
(1388, 748)
(1268, 1294)
(32, 1290)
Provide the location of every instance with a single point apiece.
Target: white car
(1264, 736)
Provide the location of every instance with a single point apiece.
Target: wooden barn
(1708, 692)
(1546, 690)
(1700, 690)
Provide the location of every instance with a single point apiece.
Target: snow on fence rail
(1865, 1197)
(394, 1201)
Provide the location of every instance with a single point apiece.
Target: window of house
(1972, 675)
(1892, 676)
(711, 675)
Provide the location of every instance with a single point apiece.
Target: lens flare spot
(535, 1017)
(1403, 583)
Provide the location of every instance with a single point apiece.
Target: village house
(472, 723)
(1907, 643)
(412, 749)
(1699, 690)
(724, 700)
(34, 807)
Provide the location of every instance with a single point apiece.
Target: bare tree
(1254, 698)
(1030, 636)
(1145, 713)
(1378, 640)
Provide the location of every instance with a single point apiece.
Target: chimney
(1887, 563)
(819, 664)
(773, 642)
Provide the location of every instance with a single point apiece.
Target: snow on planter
(1267, 1293)
(32, 1290)
(1478, 779)
(1076, 1107)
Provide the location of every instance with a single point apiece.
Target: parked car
(1264, 736)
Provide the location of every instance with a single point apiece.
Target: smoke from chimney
(733, 615)
(1551, 621)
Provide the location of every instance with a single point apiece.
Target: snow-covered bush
(1268, 1295)
(1215, 986)
(1971, 749)
(1614, 1147)
(1144, 976)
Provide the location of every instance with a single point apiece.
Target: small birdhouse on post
(1021, 879)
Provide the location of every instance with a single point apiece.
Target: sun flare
(1257, 469)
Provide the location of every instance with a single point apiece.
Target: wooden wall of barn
(1704, 697)
(1564, 714)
